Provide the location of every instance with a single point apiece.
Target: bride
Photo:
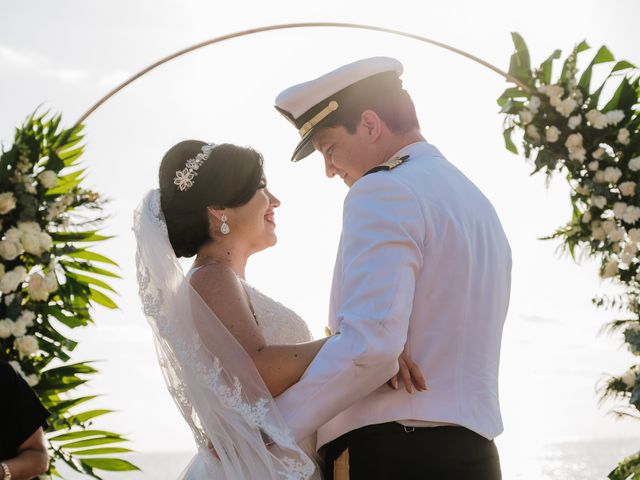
(225, 349)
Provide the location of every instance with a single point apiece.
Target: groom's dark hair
(382, 93)
(228, 178)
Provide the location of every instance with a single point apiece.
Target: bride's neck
(224, 252)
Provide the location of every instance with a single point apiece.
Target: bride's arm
(280, 366)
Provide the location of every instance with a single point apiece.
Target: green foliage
(568, 128)
(50, 277)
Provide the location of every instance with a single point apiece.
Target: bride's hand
(410, 374)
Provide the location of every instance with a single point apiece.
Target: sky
(64, 55)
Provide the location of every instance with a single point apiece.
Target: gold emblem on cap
(321, 115)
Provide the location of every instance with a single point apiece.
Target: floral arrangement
(567, 128)
(49, 279)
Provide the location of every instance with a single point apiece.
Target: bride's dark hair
(229, 178)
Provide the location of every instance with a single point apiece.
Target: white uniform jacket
(424, 262)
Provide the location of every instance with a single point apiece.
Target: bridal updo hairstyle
(229, 178)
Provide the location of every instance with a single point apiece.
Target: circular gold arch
(285, 26)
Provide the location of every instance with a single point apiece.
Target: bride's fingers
(405, 374)
(393, 382)
(416, 375)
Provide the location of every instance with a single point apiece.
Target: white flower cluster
(58, 207)
(11, 281)
(575, 148)
(599, 120)
(7, 202)
(32, 380)
(26, 345)
(48, 179)
(41, 286)
(564, 106)
(26, 237)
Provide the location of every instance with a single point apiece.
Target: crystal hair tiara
(184, 178)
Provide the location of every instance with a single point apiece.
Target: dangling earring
(224, 228)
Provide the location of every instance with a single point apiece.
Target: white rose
(599, 177)
(634, 235)
(623, 136)
(614, 117)
(13, 235)
(598, 201)
(12, 279)
(31, 243)
(32, 380)
(616, 235)
(534, 104)
(597, 119)
(9, 250)
(27, 345)
(593, 165)
(612, 174)
(532, 133)
(7, 202)
(611, 269)
(598, 153)
(574, 122)
(573, 141)
(597, 232)
(619, 208)
(566, 107)
(27, 316)
(609, 226)
(631, 248)
(615, 247)
(586, 217)
(29, 187)
(46, 242)
(552, 134)
(634, 164)
(552, 90)
(48, 179)
(628, 189)
(2, 269)
(626, 258)
(50, 283)
(8, 299)
(525, 117)
(632, 214)
(29, 227)
(19, 329)
(36, 288)
(629, 378)
(6, 328)
(579, 154)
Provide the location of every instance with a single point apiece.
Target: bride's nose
(273, 200)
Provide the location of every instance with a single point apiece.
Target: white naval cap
(308, 105)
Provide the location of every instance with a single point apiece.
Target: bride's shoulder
(213, 277)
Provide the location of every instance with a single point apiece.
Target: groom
(423, 267)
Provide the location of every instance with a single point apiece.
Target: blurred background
(64, 55)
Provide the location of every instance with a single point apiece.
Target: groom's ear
(370, 126)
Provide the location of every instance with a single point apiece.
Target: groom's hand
(410, 374)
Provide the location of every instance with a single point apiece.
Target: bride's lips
(269, 217)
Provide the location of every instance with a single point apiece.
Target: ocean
(584, 460)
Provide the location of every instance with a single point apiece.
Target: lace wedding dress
(211, 378)
(280, 326)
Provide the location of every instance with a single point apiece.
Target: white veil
(209, 375)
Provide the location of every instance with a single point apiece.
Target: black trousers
(390, 451)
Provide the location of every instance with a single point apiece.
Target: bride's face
(254, 222)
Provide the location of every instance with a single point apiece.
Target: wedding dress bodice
(279, 324)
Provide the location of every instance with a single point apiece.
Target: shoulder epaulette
(389, 164)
